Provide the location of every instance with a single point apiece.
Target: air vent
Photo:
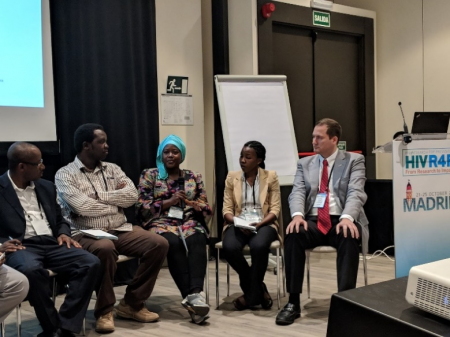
(433, 297)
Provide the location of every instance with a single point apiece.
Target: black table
(381, 310)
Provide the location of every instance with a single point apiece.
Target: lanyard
(29, 216)
(180, 222)
(329, 177)
(253, 192)
(104, 180)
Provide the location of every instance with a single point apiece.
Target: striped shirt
(91, 199)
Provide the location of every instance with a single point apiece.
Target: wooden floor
(174, 319)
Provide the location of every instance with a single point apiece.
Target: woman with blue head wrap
(172, 203)
(169, 140)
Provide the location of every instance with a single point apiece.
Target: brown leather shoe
(240, 303)
(123, 310)
(105, 323)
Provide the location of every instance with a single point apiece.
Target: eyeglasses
(40, 162)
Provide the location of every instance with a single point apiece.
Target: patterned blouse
(152, 193)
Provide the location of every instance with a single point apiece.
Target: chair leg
(207, 275)
(228, 279)
(83, 331)
(365, 268)
(19, 320)
(307, 274)
(364, 249)
(278, 278)
(284, 272)
(217, 279)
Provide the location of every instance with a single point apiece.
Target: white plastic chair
(274, 245)
(329, 249)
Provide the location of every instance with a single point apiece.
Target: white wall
(208, 94)
(184, 48)
(243, 37)
(436, 55)
(179, 52)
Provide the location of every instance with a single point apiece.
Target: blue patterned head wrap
(174, 140)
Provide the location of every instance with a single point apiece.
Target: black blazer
(12, 217)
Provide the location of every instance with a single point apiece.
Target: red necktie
(323, 214)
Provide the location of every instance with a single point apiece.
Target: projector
(429, 287)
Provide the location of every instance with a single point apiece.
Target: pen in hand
(11, 246)
(12, 239)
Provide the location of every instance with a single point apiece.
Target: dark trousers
(188, 272)
(347, 254)
(250, 277)
(150, 248)
(77, 266)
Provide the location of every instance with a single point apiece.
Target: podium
(421, 194)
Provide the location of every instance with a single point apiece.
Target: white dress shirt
(31, 208)
(247, 198)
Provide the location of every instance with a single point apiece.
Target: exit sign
(321, 19)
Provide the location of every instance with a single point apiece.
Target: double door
(329, 73)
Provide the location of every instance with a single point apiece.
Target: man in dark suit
(36, 237)
(326, 205)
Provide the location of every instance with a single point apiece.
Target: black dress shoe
(47, 334)
(240, 303)
(288, 314)
(64, 333)
(266, 302)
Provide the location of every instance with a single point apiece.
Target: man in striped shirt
(93, 194)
